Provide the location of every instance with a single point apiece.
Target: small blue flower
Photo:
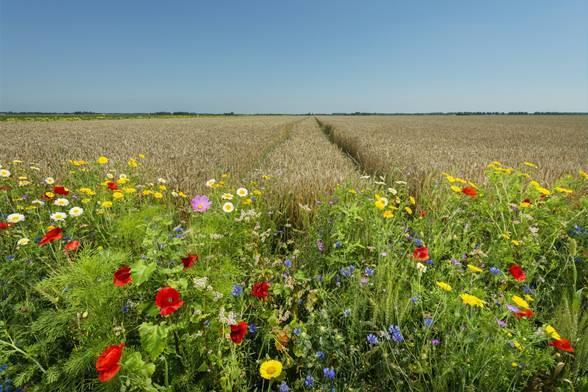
(395, 333)
(494, 271)
(252, 328)
(418, 243)
(428, 322)
(125, 308)
(414, 300)
(283, 387)
(372, 339)
(329, 373)
(528, 289)
(338, 245)
(237, 290)
(309, 381)
(369, 271)
(320, 355)
(3, 368)
(346, 271)
(288, 263)
(10, 257)
(297, 331)
(347, 312)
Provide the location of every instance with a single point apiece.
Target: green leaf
(141, 272)
(153, 338)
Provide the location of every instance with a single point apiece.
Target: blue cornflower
(414, 300)
(347, 271)
(252, 328)
(297, 331)
(288, 263)
(237, 290)
(329, 373)
(125, 308)
(494, 271)
(372, 339)
(338, 245)
(428, 321)
(347, 312)
(395, 333)
(320, 355)
(418, 243)
(309, 381)
(10, 257)
(528, 289)
(369, 271)
(3, 368)
(283, 387)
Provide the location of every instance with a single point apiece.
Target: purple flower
(200, 203)
(288, 263)
(283, 387)
(320, 245)
(372, 339)
(309, 381)
(369, 271)
(252, 328)
(501, 323)
(297, 331)
(513, 308)
(435, 342)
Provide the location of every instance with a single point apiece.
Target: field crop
(185, 151)
(279, 268)
(413, 147)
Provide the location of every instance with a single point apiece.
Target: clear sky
(293, 56)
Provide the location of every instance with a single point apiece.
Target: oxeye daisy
(4, 173)
(15, 218)
(76, 211)
(228, 207)
(49, 180)
(242, 192)
(61, 202)
(58, 216)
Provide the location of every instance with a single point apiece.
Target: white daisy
(15, 218)
(76, 211)
(22, 242)
(61, 202)
(58, 216)
(49, 180)
(242, 192)
(4, 173)
(228, 207)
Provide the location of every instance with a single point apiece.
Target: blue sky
(293, 56)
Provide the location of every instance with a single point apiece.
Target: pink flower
(200, 203)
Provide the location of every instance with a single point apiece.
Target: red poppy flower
(112, 185)
(189, 260)
(52, 235)
(421, 254)
(72, 246)
(527, 313)
(122, 276)
(562, 344)
(260, 289)
(60, 190)
(4, 225)
(517, 272)
(108, 363)
(469, 191)
(168, 301)
(238, 332)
